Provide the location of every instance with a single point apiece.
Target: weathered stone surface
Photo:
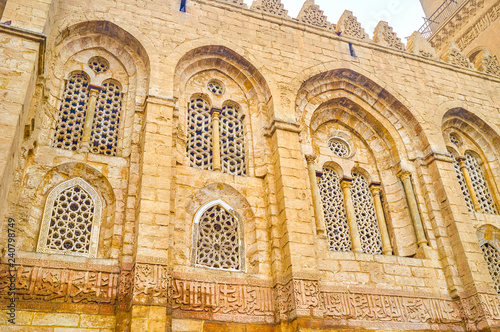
(291, 105)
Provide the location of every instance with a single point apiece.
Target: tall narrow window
(463, 184)
(71, 120)
(232, 141)
(480, 185)
(71, 220)
(492, 257)
(199, 127)
(332, 199)
(217, 238)
(104, 137)
(366, 217)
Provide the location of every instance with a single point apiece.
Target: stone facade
(230, 168)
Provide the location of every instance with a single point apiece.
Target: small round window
(455, 139)
(339, 147)
(216, 87)
(98, 64)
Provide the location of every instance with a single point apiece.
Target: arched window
(492, 257)
(332, 199)
(199, 130)
(366, 217)
(69, 129)
(71, 220)
(232, 141)
(104, 137)
(217, 239)
(479, 184)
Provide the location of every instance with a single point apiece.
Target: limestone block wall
(297, 85)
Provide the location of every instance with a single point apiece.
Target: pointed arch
(71, 220)
(218, 237)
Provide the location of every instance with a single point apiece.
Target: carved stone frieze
(312, 14)
(454, 56)
(417, 44)
(61, 285)
(477, 28)
(151, 284)
(222, 301)
(384, 35)
(349, 26)
(274, 7)
(389, 308)
(154, 284)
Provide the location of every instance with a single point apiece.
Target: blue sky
(405, 16)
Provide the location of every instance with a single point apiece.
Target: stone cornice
(295, 24)
(479, 26)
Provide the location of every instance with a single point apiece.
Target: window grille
(98, 64)
(480, 185)
(492, 257)
(71, 220)
(218, 241)
(215, 87)
(366, 218)
(339, 148)
(69, 129)
(455, 139)
(199, 128)
(104, 137)
(463, 185)
(232, 141)
(332, 199)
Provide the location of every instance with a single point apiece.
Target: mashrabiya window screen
(104, 137)
(71, 220)
(366, 218)
(463, 185)
(492, 257)
(217, 240)
(232, 140)
(199, 132)
(69, 129)
(332, 199)
(480, 185)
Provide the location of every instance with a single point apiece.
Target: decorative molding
(313, 15)
(384, 35)
(349, 26)
(417, 44)
(481, 25)
(274, 7)
(454, 56)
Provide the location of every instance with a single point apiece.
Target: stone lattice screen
(364, 208)
(480, 185)
(69, 129)
(104, 137)
(332, 199)
(199, 132)
(71, 220)
(492, 257)
(232, 141)
(217, 243)
(463, 185)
